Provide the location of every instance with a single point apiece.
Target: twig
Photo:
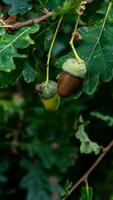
(38, 20)
(86, 175)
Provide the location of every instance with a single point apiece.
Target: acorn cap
(74, 67)
(49, 90)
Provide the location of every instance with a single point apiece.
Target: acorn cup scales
(71, 77)
(48, 95)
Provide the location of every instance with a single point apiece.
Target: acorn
(48, 95)
(71, 77)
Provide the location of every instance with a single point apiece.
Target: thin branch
(86, 175)
(38, 20)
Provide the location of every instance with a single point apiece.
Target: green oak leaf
(67, 7)
(102, 11)
(64, 9)
(6, 58)
(35, 182)
(96, 49)
(10, 78)
(9, 45)
(52, 4)
(29, 73)
(2, 30)
(87, 146)
(106, 118)
(22, 37)
(18, 6)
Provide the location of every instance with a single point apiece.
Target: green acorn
(71, 77)
(48, 95)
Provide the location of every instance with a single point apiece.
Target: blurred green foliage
(40, 155)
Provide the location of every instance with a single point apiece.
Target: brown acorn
(71, 77)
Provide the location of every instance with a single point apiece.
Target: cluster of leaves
(97, 50)
(39, 147)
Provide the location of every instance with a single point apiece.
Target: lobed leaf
(9, 45)
(97, 51)
(29, 73)
(86, 146)
(18, 6)
(35, 182)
